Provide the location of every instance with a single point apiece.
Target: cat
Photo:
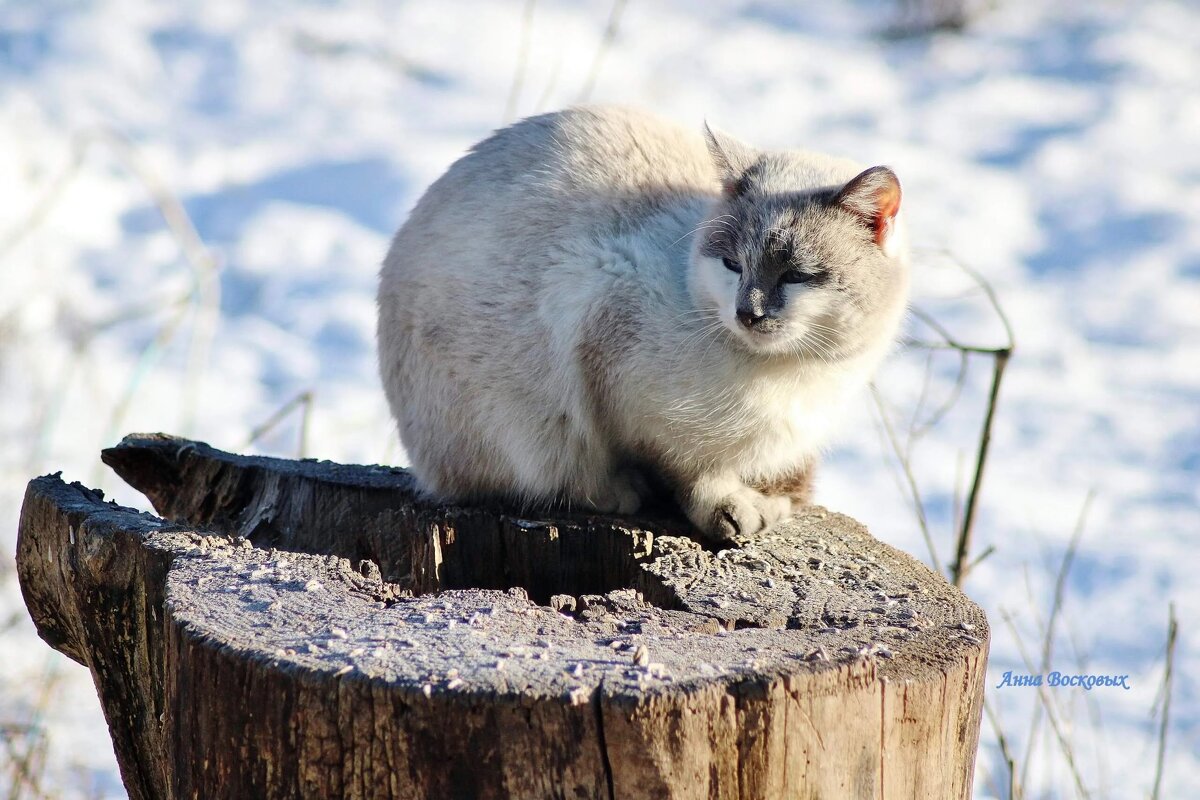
(596, 301)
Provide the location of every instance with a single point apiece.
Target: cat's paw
(745, 512)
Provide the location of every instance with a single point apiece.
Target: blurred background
(195, 198)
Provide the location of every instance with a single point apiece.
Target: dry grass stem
(918, 504)
(1047, 701)
(1165, 693)
(1051, 625)
(606, 40)
(304, 402)
(1014, 788)
(518, 83)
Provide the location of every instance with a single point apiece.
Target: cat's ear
(874, 197)
(731, 157)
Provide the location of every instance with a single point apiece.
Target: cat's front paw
(725, 509)
(745, 512)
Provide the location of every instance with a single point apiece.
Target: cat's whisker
(695, 315)
(711, 328)
(778, 239)
(720, 224)
(700, 227)
(696, 319)
(820, 327)
(822, 339)
(807, 351)
(820, 347)
(714, 340)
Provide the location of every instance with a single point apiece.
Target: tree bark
(308, 629)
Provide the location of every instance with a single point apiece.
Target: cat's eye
(731, 265)
(796, 276)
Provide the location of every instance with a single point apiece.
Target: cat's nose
(750, 317)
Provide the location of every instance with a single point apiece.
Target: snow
(1050, 147)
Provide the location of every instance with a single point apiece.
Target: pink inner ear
(873, 196)
(887, 204)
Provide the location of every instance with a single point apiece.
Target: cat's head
(799, 257)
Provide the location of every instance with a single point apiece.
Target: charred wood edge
(374, 515)
(378, 516)
(93, 576)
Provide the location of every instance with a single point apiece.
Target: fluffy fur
(560, 318)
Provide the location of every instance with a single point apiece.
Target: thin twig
(919, 406)
(206, 286)
(979, 559)
(1048, 630)
(1048, 703)
(916, 432)
(1005, 750)
(45, 204)
(949, 342)
(951, 345)
(146, 360)
(988, 291)
(205, 292)
(551, 84)
(1165, 722)
(24, 763)
(958, 490)
(303, 401)
(314, 45)
(1095, 717)
(50, 405)
(514, 93)
(962, 551)
(1032, 739)
(906, 469)
(1000, 357)
(1060, 581)
(29, 763)
(610, 34)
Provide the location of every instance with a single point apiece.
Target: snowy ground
(1052, 150)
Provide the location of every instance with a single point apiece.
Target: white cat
(594, 301)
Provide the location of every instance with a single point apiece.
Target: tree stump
(309, 629)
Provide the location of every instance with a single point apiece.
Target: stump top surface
(318, 614)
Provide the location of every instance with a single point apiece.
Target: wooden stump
(308, 629)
